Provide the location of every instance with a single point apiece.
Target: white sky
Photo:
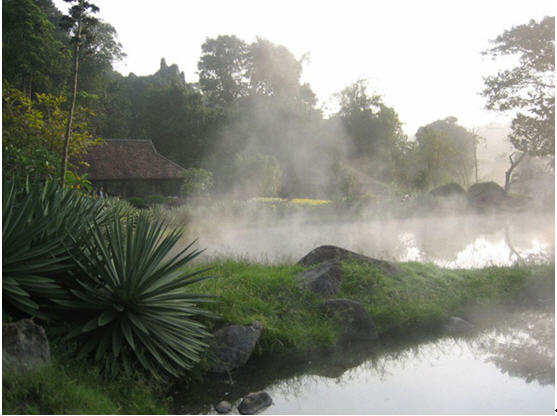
(422, 56)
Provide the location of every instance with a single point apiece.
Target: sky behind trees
(424, 57)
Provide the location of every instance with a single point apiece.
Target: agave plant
(40, 224)
(132, 302)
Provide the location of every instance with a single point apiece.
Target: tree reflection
(525, 349)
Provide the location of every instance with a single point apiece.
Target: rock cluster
(325, 280)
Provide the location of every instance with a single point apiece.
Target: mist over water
(454, 241)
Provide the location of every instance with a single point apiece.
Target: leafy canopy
(529, 87)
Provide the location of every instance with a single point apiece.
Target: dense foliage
(96, 271)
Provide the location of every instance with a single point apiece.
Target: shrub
(132, 304)
(41, 222)
(197, 182)
(137, 202)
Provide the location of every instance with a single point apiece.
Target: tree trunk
(476, 159)
(508, 174)
(68, 135)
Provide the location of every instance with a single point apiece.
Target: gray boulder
(326, 253)
(24, 345)
(356, 321)
(223, 407)
(456, 326)
(254, 403)
(325, 279)
(232, 346)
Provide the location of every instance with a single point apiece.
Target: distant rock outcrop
(232, 346)
(356, 321)
(325, 253)
(324, 280)
(24, 345)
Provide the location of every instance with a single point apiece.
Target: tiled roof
(129, 159)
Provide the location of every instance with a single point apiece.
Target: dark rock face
(456, 326)
(232, 346)
(254, 403)
(325, 253)
(356, 321)
(486, 195)
(24, 345)
(223, 407)
(325, 279)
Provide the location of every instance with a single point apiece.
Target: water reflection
(464, 241)
(506, 366)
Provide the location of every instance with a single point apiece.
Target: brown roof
(129, 159)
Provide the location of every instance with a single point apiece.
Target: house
(132, 168)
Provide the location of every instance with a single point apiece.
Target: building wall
(141, 188)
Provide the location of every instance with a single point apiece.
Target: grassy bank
(420, 296)
(73, 386)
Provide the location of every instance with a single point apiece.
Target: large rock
(254, 403)
(456, 326)
(325, 279)
(24, 345)
(485, 195)
(232, 346)
(325, 253)
(356, 321)
(223, 407)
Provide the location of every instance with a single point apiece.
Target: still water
(505, 366)
(464, 241)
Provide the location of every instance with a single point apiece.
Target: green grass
(420, 296)
(252, 292)
(73, 386)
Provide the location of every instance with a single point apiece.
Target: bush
(197, 182)
(133, 304)
(41, 223)
(156, 200)
(137, 202)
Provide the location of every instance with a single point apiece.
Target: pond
(463, 241)
(505, 366)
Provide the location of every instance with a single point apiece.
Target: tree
(445, 152)
(30, 54)
(222, 69)
(197, 182)
(32, 134)
(79, 23)
(528, 88)
(373, 129)
(257, 175)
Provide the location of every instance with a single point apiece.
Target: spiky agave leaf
(37, 222)
(133, 302)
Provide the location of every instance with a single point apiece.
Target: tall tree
(445, 152)
(528, 88)
(79, 23)
(30, 53)
(373, 129)
(222, 69)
